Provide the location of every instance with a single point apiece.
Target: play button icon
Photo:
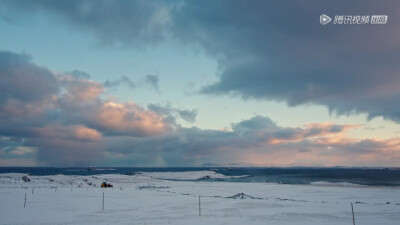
(324, 19)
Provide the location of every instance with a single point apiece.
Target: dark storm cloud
(58, 151)
(22, 80)
(272, 50)
(278, 51)
(123, 22)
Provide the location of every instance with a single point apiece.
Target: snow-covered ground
(143, 198)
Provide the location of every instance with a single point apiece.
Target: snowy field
(146, 198)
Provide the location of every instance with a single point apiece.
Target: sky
(198, 83)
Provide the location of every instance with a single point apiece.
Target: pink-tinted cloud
(128, 119)
(314, 130)
(65, 116)
(328, 151)
(259, 141)
(67, 122)
(80, 90)
(71, 132)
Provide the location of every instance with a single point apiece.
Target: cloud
(122, 23)
(255, 123)
(126, 119)
(68, 123)
(278, 51)
(304, 150)
(322, 144)
(75, 132)
(63, 116)
(78, 74)
(266, 50)
(188, 115)
(79, 90)
(66, 152)
(122, 80)
(171, 112)
(163, 110)
(152, 81)
(11, 147)
(22, 80)
(13, 153)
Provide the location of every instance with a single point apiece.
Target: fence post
(33, 188)
(199, 207)
(352, 211)
(25, 201)
(103, 203)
